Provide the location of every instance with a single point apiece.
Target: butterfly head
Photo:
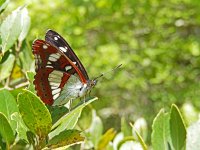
(91, 84)
(86, 88)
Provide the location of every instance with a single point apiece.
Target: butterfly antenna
(113, 69)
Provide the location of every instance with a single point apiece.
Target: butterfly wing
(53, 70)
(59, 42)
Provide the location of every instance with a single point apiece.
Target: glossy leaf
(8, 106)
(10, 29)
(6, 130)
(69, 120)
(34, 113)
(177, 129)
(161, 131)
(65, 138)
(193, 137)
(21, 127)
(25, 24)
(6, 67)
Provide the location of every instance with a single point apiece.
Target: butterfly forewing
(58, 41)
(53, 69)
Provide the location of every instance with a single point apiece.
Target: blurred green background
(158, 43)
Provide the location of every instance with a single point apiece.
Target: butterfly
(60, 75)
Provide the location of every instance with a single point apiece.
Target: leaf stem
(17, 50)
(41, 143)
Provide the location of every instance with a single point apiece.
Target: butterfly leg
(84, 99)
(70, 104)
(89, 93)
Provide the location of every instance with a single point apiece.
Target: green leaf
(2, 143)
(8, 106)
(161, 131)
(3, 5)
(6, 130)
(65, 138)
(10, 29)
(2, 1)
(21, 127)
(31, 137)
(25, 24)
(34, 113)
(69, 120)
(96, 127)
(177, 129)
(15, 92)
(57, 112)
(6, 67)
(193, 136)
(125, 128)
(25, 60)
(106, 138)
(30, 76)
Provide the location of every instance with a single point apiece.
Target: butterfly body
(60, 76)
(73, 90)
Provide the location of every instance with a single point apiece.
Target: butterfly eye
(93, 83)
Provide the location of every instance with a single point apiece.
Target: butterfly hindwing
(52, 71)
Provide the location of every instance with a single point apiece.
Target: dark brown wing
(53, 69)
(59, 42)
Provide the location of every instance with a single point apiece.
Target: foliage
(156, 41)
(35, 121)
